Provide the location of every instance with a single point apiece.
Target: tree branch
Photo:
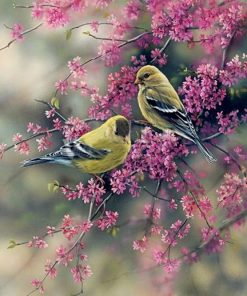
(22, 34)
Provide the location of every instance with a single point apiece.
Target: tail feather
(34, 161)
(205, 151)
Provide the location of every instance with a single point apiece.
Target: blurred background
(29, 70)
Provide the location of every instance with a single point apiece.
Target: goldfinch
(161, 106)
(96, 152)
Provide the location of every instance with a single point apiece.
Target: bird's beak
(137, 81)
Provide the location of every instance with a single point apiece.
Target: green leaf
(12, 244)
(86, 33)
(113, 231)
(232, 92)
(53, 186)
(68, 34)
(55, 102)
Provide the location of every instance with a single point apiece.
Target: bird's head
(149, 76)
(119, 128)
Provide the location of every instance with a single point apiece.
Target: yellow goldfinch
(161, 106)
(98, 151)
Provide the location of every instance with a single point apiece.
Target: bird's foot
(100, 180)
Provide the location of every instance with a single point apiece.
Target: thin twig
(22, 34)
(195, 199)
(226, 225)
(149, 221)
(242, 170)
(226, 49)
(101, 55)
(52, 107)
(162, 48)
(50, 131)
(91, 217)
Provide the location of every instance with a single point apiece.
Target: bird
(95, 152)
(161, 106)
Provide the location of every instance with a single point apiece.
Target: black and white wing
(177, 118)
(67, 153)
(180, 122)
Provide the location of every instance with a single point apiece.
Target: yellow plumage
(161, 106)
(104, 137)
(98, 151)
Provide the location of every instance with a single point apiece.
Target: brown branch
(104, 38)
(22, 34)
(88, 24)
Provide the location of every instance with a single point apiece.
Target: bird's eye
(146, 75)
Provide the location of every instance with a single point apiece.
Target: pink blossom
(57, 123)
(158, 256)
(213, 240)
(132, 9)
(44, 143)
(69, 193)
(62, 86)
(51, 230)
(34, 128)
(37, 11)
(140, 245)
(63, 256)
(80, 273)
(203, 92)
(155, 154)
(37, 242)
(38, 285)
(172, 204)
(118, 182)
(56, 17)
(76, 68)
(189, 205)
(16, 32)
(22, 148)
(50, 113)
(86, 226)
(110, 52)
(233, 71)
(74, 128)
(178, 230)
(108, 220)
(95, 189)
(231, 193)
(160, 59)
(189, 257)
(50, 269)
(68, 227)
(102, 3)
(228, 123)
(95, 26)
(172, 265)
(153, 212)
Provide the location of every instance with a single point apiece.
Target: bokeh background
(29, 70)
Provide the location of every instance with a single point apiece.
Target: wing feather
(80, 150)
(177, 117)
